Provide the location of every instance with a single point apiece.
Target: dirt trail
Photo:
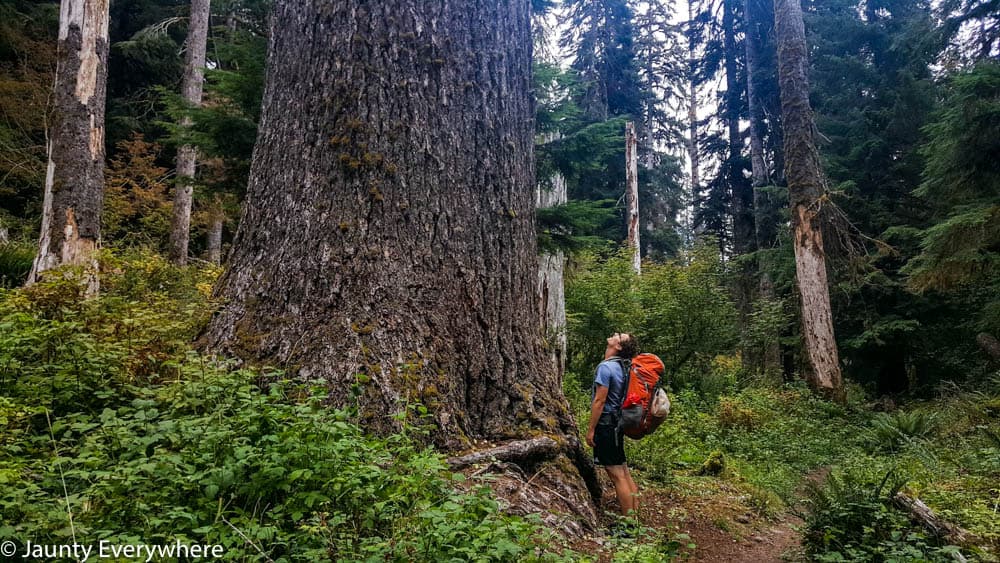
(768, 541)
(716, 516)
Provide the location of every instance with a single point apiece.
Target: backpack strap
(626, 366)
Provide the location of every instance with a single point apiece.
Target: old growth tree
(388, 232)
(806, 194)
(74, 179)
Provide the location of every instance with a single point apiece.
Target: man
(603, 432)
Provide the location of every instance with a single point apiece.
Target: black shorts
(609, 445)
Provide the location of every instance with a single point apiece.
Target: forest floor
(713, 516)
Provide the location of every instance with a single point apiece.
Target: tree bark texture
(388, 233)
(551, 286)
(214, 242)
(805, 192)
(74, 179)
(758, 165)
(191, 90)
(632, 195)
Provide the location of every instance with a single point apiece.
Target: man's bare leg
(625, 488)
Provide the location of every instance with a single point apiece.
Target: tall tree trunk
(767, 360)
(388, 232)
(74, 179)
(805, 193)
(217, 218)
(551, 287)
(694, 153)
(632, 195)
(744, 240)
(758, 165)
(191, 90)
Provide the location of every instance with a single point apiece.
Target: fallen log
(534, 450)
(923, 515)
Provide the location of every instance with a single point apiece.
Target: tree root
(534, 450)
(538, 476)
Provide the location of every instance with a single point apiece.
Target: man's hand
(600, 395)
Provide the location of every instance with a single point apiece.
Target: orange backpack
(641, 386)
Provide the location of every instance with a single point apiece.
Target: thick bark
(388, 232)
(533, 449)
(74, 179)
(806, 191)
(632, 195)
(191, 90)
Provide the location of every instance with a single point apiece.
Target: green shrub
(15, 263)
(680, 311)
(851, 518)
(891, 431)
(106, 413)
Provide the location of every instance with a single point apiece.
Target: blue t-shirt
(610, 375)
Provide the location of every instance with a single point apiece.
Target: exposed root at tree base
(537, 476)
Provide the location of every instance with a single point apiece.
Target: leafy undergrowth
(113, 429)
(754, 455)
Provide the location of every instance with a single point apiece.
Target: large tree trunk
(388, 233)
(191, 90)
(805, 192)
(74, 179)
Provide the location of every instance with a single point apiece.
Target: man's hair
(629, 344)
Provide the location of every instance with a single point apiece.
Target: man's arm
(600, 396)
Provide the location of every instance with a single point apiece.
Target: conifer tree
(806, 190)
(387, 240)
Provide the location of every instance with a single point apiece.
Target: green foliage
(851, 518)
(962, 181)
(962, 139)
(652, 548)
(15, 263)
(27, 61)
(679, 311)
(106, 413)
(572, 226)
(890, 431)
(715, 465)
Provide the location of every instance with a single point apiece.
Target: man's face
(615, 341)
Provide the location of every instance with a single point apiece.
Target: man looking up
(604, 433)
